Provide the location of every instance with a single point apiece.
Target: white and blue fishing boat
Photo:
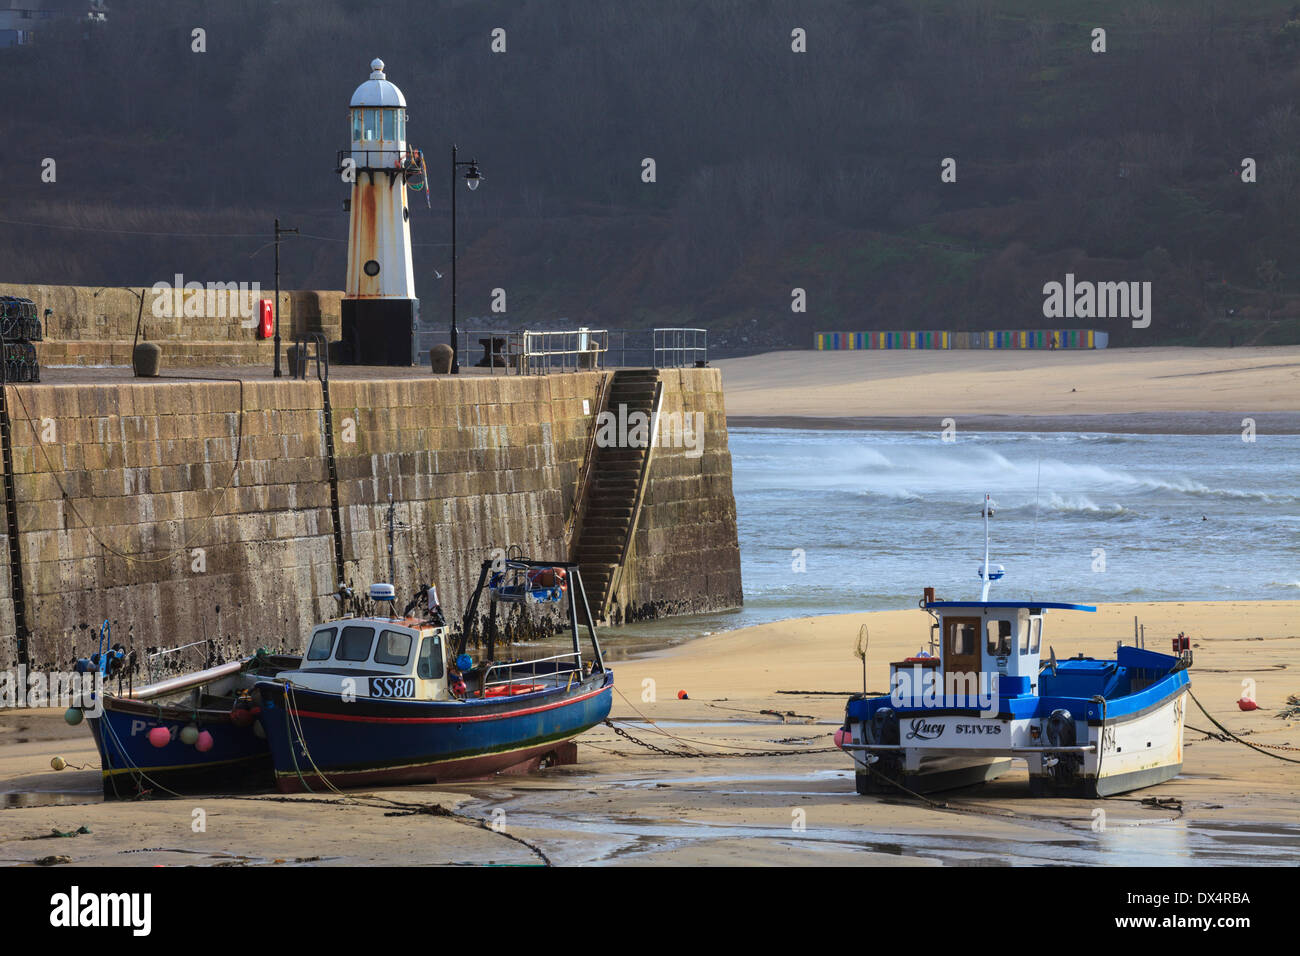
(383, 700)
(961, 715)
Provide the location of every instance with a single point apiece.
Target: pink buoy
(204, 743)
(160, 736)
(1245, 703)
(841, 736)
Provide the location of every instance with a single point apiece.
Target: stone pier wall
(97, 327)
(184, 510)
(684, 556)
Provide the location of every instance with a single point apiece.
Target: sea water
(835, 521)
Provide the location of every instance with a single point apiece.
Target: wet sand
(623, 804)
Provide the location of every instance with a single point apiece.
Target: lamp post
(278, 233)
(472, 179)
(139, 318)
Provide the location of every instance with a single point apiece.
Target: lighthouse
(380, 309)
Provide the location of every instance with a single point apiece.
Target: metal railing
(537, 352)
(680, 348)
(580, 350)
(387, 159)
(150, 658)
(511, 666)
(588, 466)
(526, 352)
(300, 354)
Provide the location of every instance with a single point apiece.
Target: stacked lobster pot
(20, 326)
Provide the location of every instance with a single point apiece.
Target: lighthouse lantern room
(380, 309)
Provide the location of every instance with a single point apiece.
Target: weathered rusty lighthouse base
(379, 331)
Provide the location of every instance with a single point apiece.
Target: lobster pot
(19, 328)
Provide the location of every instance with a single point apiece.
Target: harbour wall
(97, 327)
(186, 510)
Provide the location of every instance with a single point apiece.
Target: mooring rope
(1259, 747)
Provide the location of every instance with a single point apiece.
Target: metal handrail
(148, 658)
(321, 356)
(485, 684)
(396, 159)
(588, 463)
(529, 352)
(578, 349)
(671, 347)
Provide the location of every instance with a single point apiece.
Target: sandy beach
(776, 687)
(1148, 389)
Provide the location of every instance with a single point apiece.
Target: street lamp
(279, 231)
(139, 319)
(472, 178)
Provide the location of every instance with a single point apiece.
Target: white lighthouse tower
(380, 309)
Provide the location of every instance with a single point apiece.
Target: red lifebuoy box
(266, 319)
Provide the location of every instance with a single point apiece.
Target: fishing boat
(381, 700)
(984, 697)
(190, 734)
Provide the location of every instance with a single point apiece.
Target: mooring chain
(684, 753)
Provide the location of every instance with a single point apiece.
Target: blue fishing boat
(195, 733)
(959, 716)
(383, 700)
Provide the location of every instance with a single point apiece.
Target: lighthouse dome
(377, 91)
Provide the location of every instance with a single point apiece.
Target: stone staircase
(614, 493)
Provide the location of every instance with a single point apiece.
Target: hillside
(775, 169)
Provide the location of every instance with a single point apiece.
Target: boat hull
(935, 773)
(320, 741)
(1132, 752)
(130, 764)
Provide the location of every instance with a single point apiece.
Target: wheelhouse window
(429, 666)
(962, 638)
(355, 643)
(999, 638)
(394, 648)
(1033, 636)
(322, 642)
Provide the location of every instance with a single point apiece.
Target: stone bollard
(145, 360)
(440, 359)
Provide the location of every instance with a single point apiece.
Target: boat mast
(984, 571)
(393, 574)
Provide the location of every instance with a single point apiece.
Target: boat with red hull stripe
(384, 700)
